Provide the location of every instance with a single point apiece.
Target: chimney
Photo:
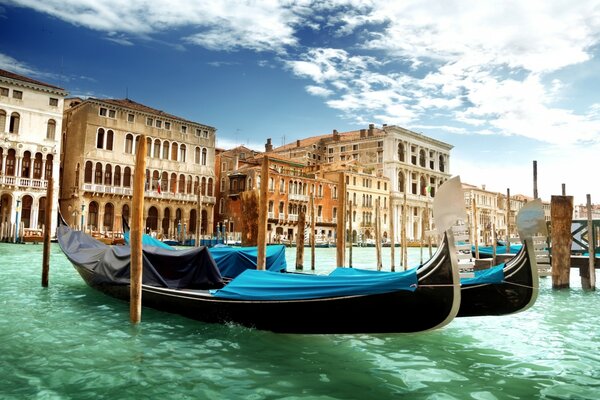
(236, 163)
(336, 135)
(298, 143)
(363, 133)
(384, 125)
(268, 146)
(371, 128)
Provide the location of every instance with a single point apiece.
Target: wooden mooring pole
(561, 217)
(589, 282)
(300, 239)
(404, 245)
(313, 232)
(47, 233)
(137, 230)
(261, 242)
(341, 222)
(378, 233)
(350, 233)
(475, 227)
(392, 236)
(535, 187)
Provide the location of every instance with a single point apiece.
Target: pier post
(535, 187)
(561, 218)
(475, 227)
(404, 247)
(300, 239)
(378, 233)
(507, 219)
(350, 233)
(312, 231)
(341, 222)
(47, 233)
(589, 282)
(137, 230)
(198, 218)
(262, 215)
(392, 236)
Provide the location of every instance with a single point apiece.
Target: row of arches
(156, 148)
(417, 184)
(420, 158)
(32, 211)
(29, 165)
(169, 221)
(100, 174)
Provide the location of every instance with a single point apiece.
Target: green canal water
(70, 342)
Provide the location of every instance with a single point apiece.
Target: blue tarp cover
(266, 285)
(148, 240)
(232, 261)
(514, 249)
(491, 275)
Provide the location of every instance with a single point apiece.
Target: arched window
(203, 157)
(129, 143)
(181, 183)
(37, 166)
(156, 153)
(100, 138)
(2, 120)
(125, 212)
(164, 181)
(197, 155)
(51, 129)
(442, 165)
(49, 164)
(401, 182)
(173, 188)
(165, 150)
(148, 147)
(203, 186)
(26, 165)
(109, 139)
(189, 184)
(117, 176)
(174, 148)
(423, 186)
(422, 158)
(127, 177)
(221, 205)
(400, 152)
(10, 162)
(108, 175)
(98, 174)
(196, 184)
(109, 217)
(182, 153)
(87, 175)
(210, 187)
(15, 119)
(93, 215)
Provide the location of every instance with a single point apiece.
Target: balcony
(298, 197)
(126, 191)
(27, 183)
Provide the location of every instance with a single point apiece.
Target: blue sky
(505, 82)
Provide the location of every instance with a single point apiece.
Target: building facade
(100, 140)
(414, 164)
(30, 121)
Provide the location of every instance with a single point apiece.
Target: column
(3, 170)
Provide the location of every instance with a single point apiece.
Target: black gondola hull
(516, 293)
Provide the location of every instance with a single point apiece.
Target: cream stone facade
(100, 141)
(416, 165)
(30, 121)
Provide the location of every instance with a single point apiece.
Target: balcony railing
(298, 197)
(24, 182)
(91, 187)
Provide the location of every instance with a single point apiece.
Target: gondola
(189, 283)
(513, 286)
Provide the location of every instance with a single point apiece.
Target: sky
(504, 82)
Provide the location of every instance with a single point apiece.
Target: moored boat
(189, 283)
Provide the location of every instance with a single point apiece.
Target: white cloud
(219, 25)
(318, 91)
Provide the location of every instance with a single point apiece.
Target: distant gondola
(189, 283)
(515, 285)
